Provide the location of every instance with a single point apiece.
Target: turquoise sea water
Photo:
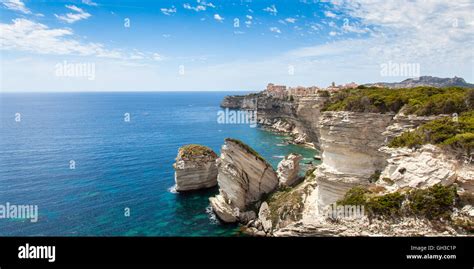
(118, 164)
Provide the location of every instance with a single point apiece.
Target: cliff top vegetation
(194, 150)
(248, 149)
(421, 101)
(455, 133)
(434, 202)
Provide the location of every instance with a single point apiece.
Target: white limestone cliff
(288, 170)
(243, 177)
(349, 142)
(195, 168)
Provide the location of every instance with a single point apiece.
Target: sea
(100, 164)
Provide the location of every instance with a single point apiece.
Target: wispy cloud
(168, 11)
(195, 8)
(275, 30)
(218, 17)
(30, 36)
(208, 4)
(89, 3)
(418, 30)
(271, 9)
(290, 20)
(79, 14)
(248, 22)
(329, 14)
(16, 5)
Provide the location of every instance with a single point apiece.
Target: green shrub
(386, 205)
(285, 203)
(194, 150)
(324, 93)
(420, 100)
(444, 131)
(434, 203)
(354, 196)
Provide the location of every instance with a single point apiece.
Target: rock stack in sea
(288, 169)
(243, 178)
(195, 168)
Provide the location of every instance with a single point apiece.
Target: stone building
(276, 91)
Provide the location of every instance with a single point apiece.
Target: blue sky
(229, 45)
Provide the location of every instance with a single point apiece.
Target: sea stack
(195, 168)
(243, 177)
(288, 169)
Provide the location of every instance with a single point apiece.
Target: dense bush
(194, 150)
(456, 134)
(433, 203)
(354, 196)
(420, 100)
(386, 205)
(323, 93)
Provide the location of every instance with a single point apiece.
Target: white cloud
(419, 30)
(196, 8)
(218, 17)
(290, 20)
(436, 34)
(16, 5)
(26, 35)
(271, 9)
(168, 11)
(89, 3)
(73, 17)
(354, 28)
(157, 57)
(33, 37)
(275, 30)
(329, 14)
(316, 26)
(248, 22)
(211, 5)
(332, 33)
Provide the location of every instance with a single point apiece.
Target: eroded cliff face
(349, 143)
(299, 117)
(353, 149)
(288, 169)
(354, 153)
(425, 167)
(243, 177)
(195, 168)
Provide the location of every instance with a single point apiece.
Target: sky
(217, 45)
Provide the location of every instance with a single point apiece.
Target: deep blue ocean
(118, 164)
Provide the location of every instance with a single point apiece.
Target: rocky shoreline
(358, 167)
